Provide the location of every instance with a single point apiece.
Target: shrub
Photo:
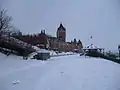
(108, 56)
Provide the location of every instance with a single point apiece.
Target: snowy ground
(59, 73)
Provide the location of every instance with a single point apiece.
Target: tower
(61, 33)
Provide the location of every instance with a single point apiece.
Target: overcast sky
(82, 18)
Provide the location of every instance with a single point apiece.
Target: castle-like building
(61, 33)
(57, 43)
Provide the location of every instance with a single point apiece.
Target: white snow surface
(36, 48)
(71, 72)
(43, 51)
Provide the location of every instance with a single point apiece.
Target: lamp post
(119, 50)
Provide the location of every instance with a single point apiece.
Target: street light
(119, 50)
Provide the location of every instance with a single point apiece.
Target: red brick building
(61, 33)
(58, 43)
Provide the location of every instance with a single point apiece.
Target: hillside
(59, 73)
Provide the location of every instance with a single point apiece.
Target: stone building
(57, 43)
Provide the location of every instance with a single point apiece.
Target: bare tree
(4, 21)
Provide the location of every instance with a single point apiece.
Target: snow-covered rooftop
(43, 51)
(92, 47)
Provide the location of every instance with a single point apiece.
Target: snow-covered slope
(59, 73)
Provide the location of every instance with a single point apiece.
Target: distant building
(57, 43)
(93, 48)
(61, 33)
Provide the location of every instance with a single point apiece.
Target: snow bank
(43, 51)
(36, 48)
(53, 53)
(66, 53)
(59, 73)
